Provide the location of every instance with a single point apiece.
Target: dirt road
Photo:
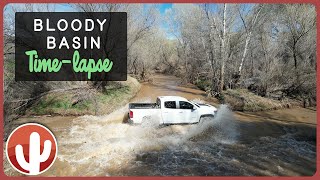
(273, 143)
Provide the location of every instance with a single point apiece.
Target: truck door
(187, 112)
(169, 112)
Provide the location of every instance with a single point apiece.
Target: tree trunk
(244, 54)
(222, 50)
(248, 38)
(296, 64)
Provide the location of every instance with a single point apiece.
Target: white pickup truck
(169, 110)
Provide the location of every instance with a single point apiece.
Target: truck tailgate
(138, 115)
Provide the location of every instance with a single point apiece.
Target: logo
(71, 46)
(31, 149)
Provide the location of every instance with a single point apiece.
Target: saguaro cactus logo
(31, 149)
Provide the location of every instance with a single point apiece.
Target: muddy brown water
(272, 143)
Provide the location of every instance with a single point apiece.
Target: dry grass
(243, 100)
(85, 101)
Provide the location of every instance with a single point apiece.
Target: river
(271, 143)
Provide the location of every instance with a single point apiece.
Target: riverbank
(246, 101)
(84, 101)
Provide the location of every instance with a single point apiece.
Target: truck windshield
(196, 104)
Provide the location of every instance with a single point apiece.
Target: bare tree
(249, 27)
(300, 22)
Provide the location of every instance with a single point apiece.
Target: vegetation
(267, 49)
(243, 100)
(64, 103)
(72, 97)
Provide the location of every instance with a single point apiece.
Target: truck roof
(172, 98)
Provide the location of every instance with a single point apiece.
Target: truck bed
(143, 106)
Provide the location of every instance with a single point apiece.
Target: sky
(161, 7)
(164, 7)
(67, 8)
(64, 8)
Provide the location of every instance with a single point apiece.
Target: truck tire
(201, 119)
(205, 118)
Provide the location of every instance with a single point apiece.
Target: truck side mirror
(194, 107)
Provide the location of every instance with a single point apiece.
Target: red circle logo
(31, 149)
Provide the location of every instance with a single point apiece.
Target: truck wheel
(205, 118)
(201, 120)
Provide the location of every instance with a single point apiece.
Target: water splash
(221, 128)
(105, 143)
(105, 146)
